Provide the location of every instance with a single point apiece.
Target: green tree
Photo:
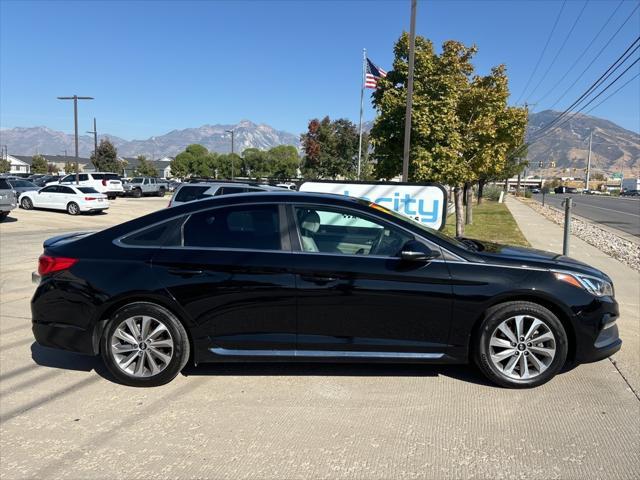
(461, 127)
(39, 164)
(106, 158)
(330, 149)
(195, 160)
(145, 167)
(255, 163)
(5, 165)
(283, 162)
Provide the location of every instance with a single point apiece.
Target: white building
(18, 166)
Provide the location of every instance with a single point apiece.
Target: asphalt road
(62, 416)
(616, 212)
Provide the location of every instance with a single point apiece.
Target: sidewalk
(546, 235)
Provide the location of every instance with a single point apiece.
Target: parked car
(294, 276)
(565, 190)
(173, 185)
(74, 199)
(8, 198)
(21, 186)
(47, 179)
(104, 182)
(189, 192)
(287, 185)
(141, 186)
(535, 190)
(630, 193)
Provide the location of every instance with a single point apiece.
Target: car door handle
(320, 279)
(183, 272)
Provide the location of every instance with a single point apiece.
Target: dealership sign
(423, 202)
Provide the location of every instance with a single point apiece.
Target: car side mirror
(414, 251)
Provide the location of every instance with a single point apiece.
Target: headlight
(594, 285)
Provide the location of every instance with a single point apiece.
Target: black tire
(26, 203)
(111, 197)
(137, 193)
(180, 351)
(498, 314)
(73, 208)
(161, 192)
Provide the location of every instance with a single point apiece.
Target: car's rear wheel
(144, 345)
(26, 203)
(137, 193)
(73, 208)
(520, 345)
(161, 192)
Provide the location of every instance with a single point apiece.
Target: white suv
(104, 182)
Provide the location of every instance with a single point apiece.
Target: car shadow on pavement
(466, 373)
(54, 358)
(8, 220)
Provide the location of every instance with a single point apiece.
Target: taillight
(48, 264)
(104, 182)
(90, 198)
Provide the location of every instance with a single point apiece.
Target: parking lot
(62, 416)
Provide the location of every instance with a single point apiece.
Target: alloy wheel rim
(142, 346)
(522, 347)
(73, 208)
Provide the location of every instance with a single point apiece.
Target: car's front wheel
(26, 203)
(520, 345)
(144, 345)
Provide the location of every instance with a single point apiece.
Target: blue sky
(158, 66)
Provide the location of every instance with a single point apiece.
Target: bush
(527, 193)
(492, 192)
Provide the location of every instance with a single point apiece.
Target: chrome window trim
(118, 241)
(324, 354)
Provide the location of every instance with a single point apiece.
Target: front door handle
(183, 272)
(319, 279)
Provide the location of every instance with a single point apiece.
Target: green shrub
(527, 193)
(492, 192)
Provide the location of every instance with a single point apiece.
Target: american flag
(373, 74)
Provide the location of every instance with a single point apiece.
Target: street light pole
(95, 139)
(232, 152)
(589, 161)
(75, 99)
(407, 120)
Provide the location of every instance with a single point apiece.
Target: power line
(614, 92)
(546, 45)
(596, 57)
(564, 42)
(612, 68)
(570, 69)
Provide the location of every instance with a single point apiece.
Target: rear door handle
(183, 272)
(320, 279)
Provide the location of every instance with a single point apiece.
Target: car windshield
(428, 230)
(136, 180)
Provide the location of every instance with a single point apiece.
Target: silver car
(8, 198)
(21, 186)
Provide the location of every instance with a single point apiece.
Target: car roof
(231, 184)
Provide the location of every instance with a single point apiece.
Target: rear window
(189, 193)
(105, 176)
(168, 233)
(88, 190)
(4, 185)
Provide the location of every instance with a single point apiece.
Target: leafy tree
(39, 164)
(106, 158)
(5, 165)
(330, 148)
(145, 167)
(461, 127)
(195, 160)
(283, 162)
(255, 163)
(52, 169)
(69, 167)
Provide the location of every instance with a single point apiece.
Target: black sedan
(307, 277)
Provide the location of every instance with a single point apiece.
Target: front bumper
(597, 337)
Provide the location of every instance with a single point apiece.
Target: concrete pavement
(546, 235)
(61, 416)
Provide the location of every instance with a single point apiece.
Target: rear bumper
(65, 337)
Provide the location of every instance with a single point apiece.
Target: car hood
(523, 256)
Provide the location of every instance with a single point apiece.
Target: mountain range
(614, 148)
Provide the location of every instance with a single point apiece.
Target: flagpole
(364, 60)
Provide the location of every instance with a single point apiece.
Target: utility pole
(95, 139)
(232, 152)
(407, 120)
(589, 161)
(75, 99)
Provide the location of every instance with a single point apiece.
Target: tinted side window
(97, 176)
(84, 177)
(165, 234)
(66, 190)
(230, 190)
(68, 178)
(191, 193)
(251, 227)
(49, 189)
(4, 185)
